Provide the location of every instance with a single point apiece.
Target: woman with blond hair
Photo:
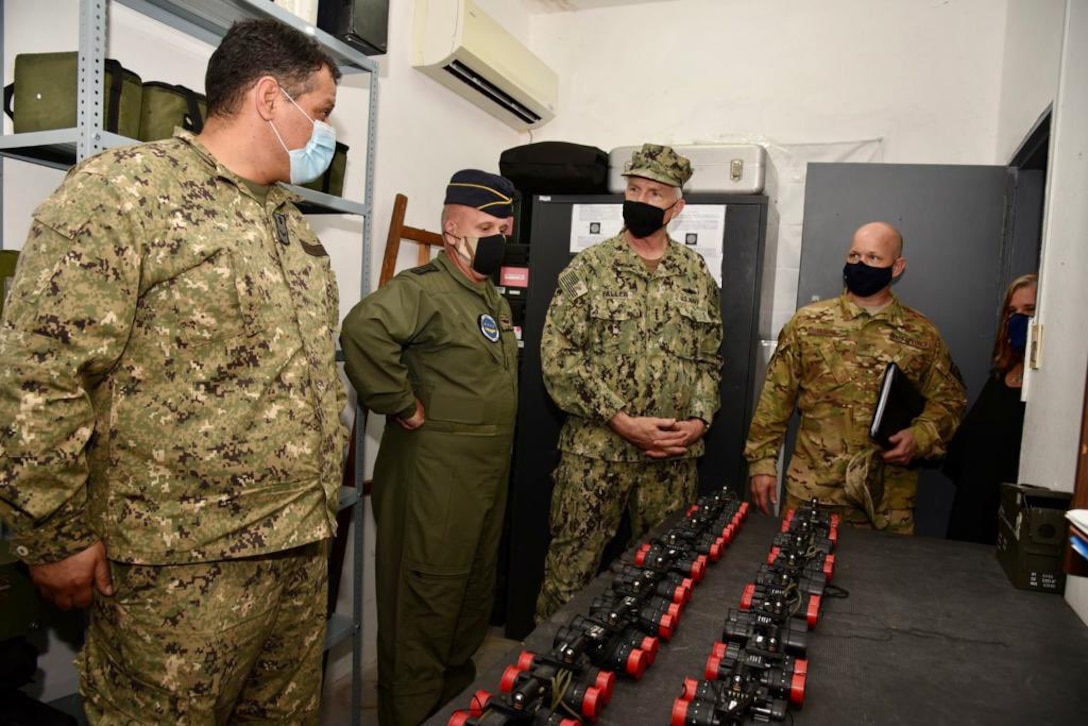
(986, 449)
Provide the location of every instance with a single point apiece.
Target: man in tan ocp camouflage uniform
(171, 443)
(829, 365)
(630, 352)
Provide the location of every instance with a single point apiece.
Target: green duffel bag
(45, 94)
(332, 181)
(165, 106)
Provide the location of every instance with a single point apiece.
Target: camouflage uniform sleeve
(66, 324)
(706, 398)
(776, 404)
(373, 337)
(946, 399)
(571, 374)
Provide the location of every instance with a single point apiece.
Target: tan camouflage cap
(659, 163)
(864, 485)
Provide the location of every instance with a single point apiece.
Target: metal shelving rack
(208, 20)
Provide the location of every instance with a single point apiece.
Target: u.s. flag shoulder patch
(572, 284)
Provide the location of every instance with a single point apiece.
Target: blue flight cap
(489, 193)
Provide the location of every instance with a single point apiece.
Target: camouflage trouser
(233, 641)
(587, 505)
(900, 521)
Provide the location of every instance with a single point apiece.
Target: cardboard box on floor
(1031, 534)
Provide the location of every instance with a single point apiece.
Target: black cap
(489, 193)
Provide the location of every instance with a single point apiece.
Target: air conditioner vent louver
(475, 80)
(460, 46)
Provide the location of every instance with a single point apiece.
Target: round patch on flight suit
(489, 328)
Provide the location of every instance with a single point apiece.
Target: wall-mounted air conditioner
(464, 49)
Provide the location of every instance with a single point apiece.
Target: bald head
(875, 245)
(883, 235)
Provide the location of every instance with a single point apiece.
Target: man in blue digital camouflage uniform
(630, 352)
(171, 445)
(434, 350)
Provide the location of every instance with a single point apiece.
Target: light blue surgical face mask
(311, 161)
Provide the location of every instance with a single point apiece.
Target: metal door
(965, 237)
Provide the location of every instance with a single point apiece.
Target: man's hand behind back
(414, 421)
(71, 582)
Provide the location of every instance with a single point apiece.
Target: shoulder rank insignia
(424, 269)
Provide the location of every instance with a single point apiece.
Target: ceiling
(562, 6)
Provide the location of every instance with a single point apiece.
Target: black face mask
(863, 280)
(643, 219)
(484, 253)
(487, 258)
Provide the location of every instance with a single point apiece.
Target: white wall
(923, 76)
(1033, 46)
(920, 81)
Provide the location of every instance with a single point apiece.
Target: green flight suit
(829, 365)
(439, 492)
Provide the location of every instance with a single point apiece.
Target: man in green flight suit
(630, 352)
(829, 365)
(435, 352)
